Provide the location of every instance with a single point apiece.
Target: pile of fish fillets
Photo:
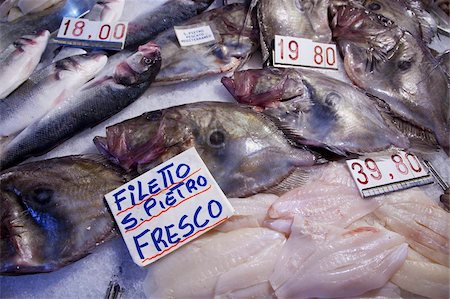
(301, 229)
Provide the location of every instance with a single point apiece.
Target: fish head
(85, 65)
(33, 42)
(201, 5)
(49, 210)
(238, 145)
(140, 67)
(264, 87)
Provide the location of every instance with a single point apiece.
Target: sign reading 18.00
(293, 51)
(85, 33)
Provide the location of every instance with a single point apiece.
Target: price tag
(167, 207)
(379, 175)
(293, 51)
(92, 34)
(194, 34)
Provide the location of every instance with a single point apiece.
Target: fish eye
(154, 115)
(41, 195)
(331, 98)
(404, 65)
(146, 60)
(374, 6)
(217, 139)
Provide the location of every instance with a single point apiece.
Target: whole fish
(145, 27)
(235, 42)
(410, 15)
(53, 212)
(244, 151)
(297, 18)
(19, 60)
(316, 110)
(392, 65)
(94, 102)
(48, 19)
(45, 90)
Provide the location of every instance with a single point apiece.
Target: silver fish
(244, 151)
(96, 101)
(45, 90)
(145, 27)
(297, 18)
(392, 65)
(19, 60)
(234, 44)
(106, 10)
(53, 212)
(317, 110)
(48, 19)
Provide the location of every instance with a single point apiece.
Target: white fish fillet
(249, 212)
(218, 264)
(323, 261)
(425, 225)
(331, 198)
(19, 60)
(388, 291)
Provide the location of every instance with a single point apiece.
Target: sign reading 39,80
(86, 33)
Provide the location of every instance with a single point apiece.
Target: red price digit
(418, 168)
(318, 51)
(281, 45)
(78, 28)
(372, 166)
(293, 48)
(360, 171)
(331, 56)
(122, 31)
(401, 167)
(100, 35)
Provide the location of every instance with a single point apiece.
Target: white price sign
(93, 34)
(379, 175)
(293, 51)
(167, 207)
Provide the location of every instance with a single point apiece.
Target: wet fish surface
(145, 27)
(53, 212)
(392, 65)
(234, 42)
(243, 150)
(297, 18)
(19, 60)
(317, 110)
(48, 19)
(106, 10)
(96, 101)
(45, 90)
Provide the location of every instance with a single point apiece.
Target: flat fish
(53, 212)
(247, 257)
(317, 110)
(243, 150)
(392, 65)
(19, 60)
(234, 42)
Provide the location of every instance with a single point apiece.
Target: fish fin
(419, 138)
(297, 178)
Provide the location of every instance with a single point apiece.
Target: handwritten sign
(384, 174)
(194, 34)
(292, 51)
(93, 34)
(168, 206)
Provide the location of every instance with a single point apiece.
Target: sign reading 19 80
(93, 34)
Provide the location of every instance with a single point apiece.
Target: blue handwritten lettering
(183, 226)
(169, 236)
(158, 239)
(139, 246)
(127, 219)
(118, 200)
(169, 177)
(219, 206)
